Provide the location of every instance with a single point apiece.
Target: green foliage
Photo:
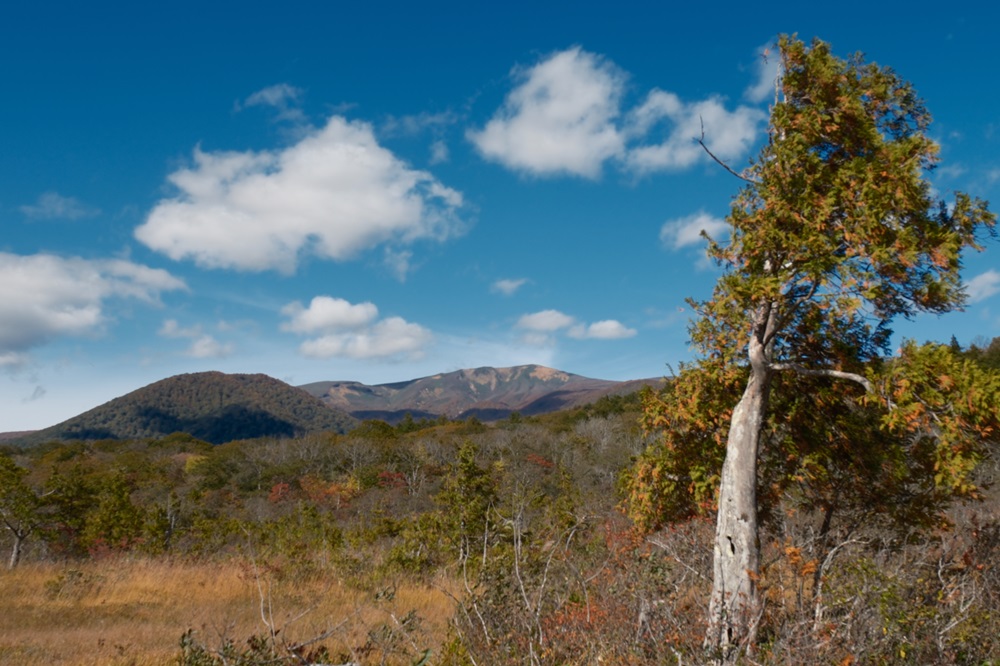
(985, 354)
(115, 524)
(467, 498)
(70, 496)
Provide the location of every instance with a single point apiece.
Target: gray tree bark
(734, 607)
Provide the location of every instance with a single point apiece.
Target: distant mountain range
(218, 407)
(486, 393)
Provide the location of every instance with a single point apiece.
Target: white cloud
(52, 205)
(333, 194)
(686, 231)
(44, 296)
(767, 69)
(545, 321)
(351, 331)
(206, 346)
(542, 326)
(390, 337)
(507, 287)
(282, 97)
(398, 262)
(439, 152)
(171, 329)
(608, 329)
(278, 95)
(326, 314)
(535, 339)
(560, 119)
(203, 345)
(729, 135)
(415, 124)
(12, 360)
(983, 286)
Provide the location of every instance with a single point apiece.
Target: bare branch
(836, 374)
(701, 142)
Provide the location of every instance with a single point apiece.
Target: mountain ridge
(487, 393)
(218, 407)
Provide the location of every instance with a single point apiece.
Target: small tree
(18, 506)
(115, 523)
(834, 235)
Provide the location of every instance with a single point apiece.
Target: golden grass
(134, 611)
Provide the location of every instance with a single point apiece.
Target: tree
(833, 236)
(18, 506)
(115, 523)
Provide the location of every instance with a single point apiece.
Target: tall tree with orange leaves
(834, 235)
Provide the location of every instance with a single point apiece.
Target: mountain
(486, 393)
(211, 406)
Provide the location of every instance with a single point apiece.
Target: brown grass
(134, 611)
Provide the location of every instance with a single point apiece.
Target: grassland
(134, 611)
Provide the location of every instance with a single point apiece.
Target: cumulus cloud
(545, 321)
(728, 134)
(393, 336)
(53, 206)
(206, 346)
(507, 287)
(563, 117)
(608, 329)
(202, 345)
(686, 231)
(767, 69)
(559, 119)
(541, 326)
(327, 314)
(983, 286)
(44, 296)
(348, 330)
(333, 194)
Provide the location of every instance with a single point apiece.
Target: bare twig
(701, 142)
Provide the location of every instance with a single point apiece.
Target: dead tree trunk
(734, 606)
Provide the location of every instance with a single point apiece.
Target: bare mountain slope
(488, 393)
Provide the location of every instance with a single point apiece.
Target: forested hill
(212, 406)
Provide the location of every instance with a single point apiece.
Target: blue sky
(388, 190)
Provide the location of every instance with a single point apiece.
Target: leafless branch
(701, 142)
(819, 372)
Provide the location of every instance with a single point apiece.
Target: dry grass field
(134, 611)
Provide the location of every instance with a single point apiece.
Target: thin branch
(701, 142)
(836, 374)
